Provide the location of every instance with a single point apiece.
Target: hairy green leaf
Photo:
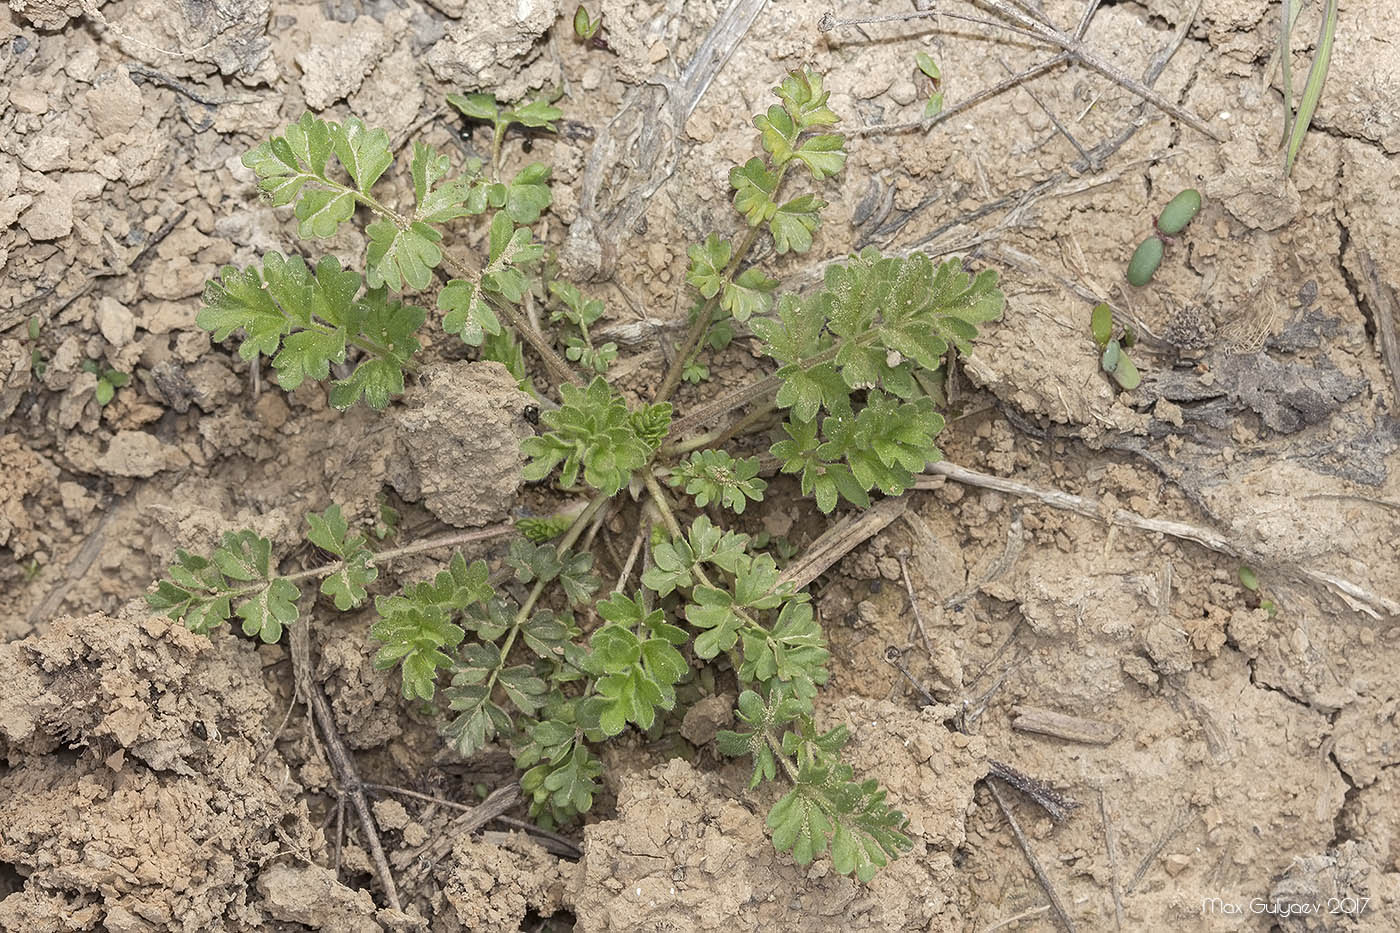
(346, 585)
(793, 223)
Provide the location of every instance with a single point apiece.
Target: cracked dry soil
(1241, 755)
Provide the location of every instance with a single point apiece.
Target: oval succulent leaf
(1179, 212)
(1146, 258)
(1102, 324)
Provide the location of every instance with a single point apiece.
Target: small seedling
(388, 524)
(929, 67)
(588, 29)
(108, 380)
(32, 570)
(539, 114)
(38, 363)
(1253, 598)
(1174, 217)
(1179, 212)
(1113, 358)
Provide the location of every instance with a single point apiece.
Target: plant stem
(777, 749)
(579, 524)
(561, 371)
(664, 507)
(707, 311)
(451, 539)
(498, 134)
(718, 437)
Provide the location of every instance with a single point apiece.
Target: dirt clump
(689, 850)
(461, 413)
(139, 788)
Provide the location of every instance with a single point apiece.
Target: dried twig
(914, 602)
(1025, 844)
(1178, 823)
(838, 540)
(1057, 805)
(1023, 915)
(1075, 49)
(1110, 842)
(77, 568)
(1063, 726)
(1356, 596)
(1384, 311)
(895, 659)
(179, 87)
(350, 786)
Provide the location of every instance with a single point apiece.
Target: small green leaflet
(401, 257)
(708, 262)
(415, 636)
(439, 200)
(715, 476)
(305, 322)
(754, 186)
(793, 223)
(636, 675)
(593, 434)
(805, 100)
(468, 314)
(347, 584)
(390, 328)
(750, 293)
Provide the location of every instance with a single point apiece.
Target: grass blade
(1288, 15)
(1312, 91)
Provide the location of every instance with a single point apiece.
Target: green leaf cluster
(296, 167)
(730, 596)
(635, 661)
(857, 360)
(561, 772)
(788, 133)
(511, 251)
(417, 628)
(827, 808)
(236, 578)
(582, 313)
(307, 320)
(595, 434)
(537, 114)
(483, 679)
(714, 476)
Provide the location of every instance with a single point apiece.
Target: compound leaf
(347, 584)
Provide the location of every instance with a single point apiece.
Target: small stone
(592, 78)
(658, 52)
(706, 717)
(136, 453)
(83, 65)
(115, 106)
(336, 66)
(1176, 863)
(45, 154)
(903, 92)
(29, 100)
(414, 835)
(49, 217)
(390, 814)
(118, 325)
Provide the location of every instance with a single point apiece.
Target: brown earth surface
(150, 778)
